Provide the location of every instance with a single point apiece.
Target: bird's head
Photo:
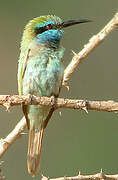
(47, 30)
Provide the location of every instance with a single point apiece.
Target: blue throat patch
(50, 38)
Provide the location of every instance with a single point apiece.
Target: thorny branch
(98, 176)
(8, 101)
(76, 104)
(89, 47)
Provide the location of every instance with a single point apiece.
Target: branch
(8, 101)
(16, 133)
(109, 106)
(88, 48)
(98, 176)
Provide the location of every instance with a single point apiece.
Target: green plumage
(40, 73)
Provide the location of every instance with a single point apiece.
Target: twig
(93, 43)
(16, 133)
(98, 176)
(8, 101)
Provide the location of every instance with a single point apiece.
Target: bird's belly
(42, 79)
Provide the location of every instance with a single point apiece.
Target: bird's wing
(22, 63)
(21, 71)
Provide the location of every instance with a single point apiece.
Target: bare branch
(16, 133)
(8, 101)
(98, 176)
(93, 43)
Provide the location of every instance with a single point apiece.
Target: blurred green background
(76, 141)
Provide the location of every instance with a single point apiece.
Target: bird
(40, 73)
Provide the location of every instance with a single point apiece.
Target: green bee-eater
(40, 73)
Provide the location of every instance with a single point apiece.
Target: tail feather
(34, 150)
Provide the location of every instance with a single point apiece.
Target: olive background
(76, 141)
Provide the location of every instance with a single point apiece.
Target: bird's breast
(43, 74)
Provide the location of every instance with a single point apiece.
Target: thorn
(7, 105)
(101, 171)
(52, 100)
(75, 54)
(60, 113)
(85, 109)
(23, 133)
(65, 84)
(44, 177)
(41, 176)
(101, 175)
(68, 88)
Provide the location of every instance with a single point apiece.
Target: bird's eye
(49, 26)
(39, 30)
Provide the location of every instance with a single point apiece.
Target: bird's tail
(34, 150)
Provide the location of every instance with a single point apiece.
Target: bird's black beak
(72, 22)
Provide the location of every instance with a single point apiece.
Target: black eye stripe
(40, 30)
(45, 28)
